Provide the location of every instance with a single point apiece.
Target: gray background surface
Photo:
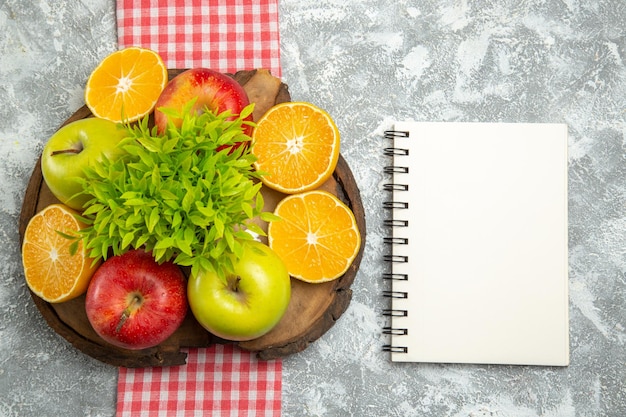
(368, 63)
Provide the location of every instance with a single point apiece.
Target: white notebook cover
(488, 254)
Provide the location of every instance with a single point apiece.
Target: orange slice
(126, 84)
(297, 145)
(52, 271)
(317, 236)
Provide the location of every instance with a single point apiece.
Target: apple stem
(123, 318)
(127, 311)
(235, 283)
(64, 151)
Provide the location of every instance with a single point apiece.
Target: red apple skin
(156, 313)
(217, 91)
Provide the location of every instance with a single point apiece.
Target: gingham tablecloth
(227, 36)
(218, 381)
(224, 35)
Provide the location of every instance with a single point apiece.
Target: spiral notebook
(478, 243)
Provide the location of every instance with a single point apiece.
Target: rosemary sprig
(176, 194)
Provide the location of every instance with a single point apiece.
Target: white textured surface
(367, 62)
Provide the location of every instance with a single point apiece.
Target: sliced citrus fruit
(296, 145)
(126, 84)
(53, 270)
(317, 236)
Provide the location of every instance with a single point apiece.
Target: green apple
(72, 148)
(248, 303)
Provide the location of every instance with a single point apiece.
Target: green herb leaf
(175, 194)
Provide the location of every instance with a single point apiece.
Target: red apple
(219, 92)
(135, 303)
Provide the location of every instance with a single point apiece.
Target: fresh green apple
(72, 148)
(248, 303)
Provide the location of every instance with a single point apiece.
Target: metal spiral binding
(396, 240)
(396, 152)
(395, 294)
(390, 134)
(391, 169)
(395, 349)
(394, 331)
(396, 187)
(393, 205)
(396, 223)
(395, 277)
(399, 259)
(389, 312)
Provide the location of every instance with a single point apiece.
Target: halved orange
(52, 269)
(126, 84)
(296, 145)
(317, 236)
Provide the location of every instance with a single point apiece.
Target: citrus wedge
(317, 236)
(53, 270)
(126, 84)
(297, 146)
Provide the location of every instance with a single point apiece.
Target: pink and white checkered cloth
(218, 381)
(224, 35)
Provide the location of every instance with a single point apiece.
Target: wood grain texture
(313, 309)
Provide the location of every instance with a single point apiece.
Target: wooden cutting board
(313, 308)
